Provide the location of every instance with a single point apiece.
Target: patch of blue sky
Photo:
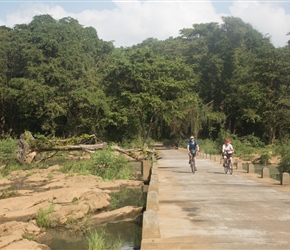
(9, 6)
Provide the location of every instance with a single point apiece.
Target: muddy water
(130, 232)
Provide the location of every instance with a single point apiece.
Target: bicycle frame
(228, 166)
(192, 163)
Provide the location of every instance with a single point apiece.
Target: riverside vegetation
(106, 165)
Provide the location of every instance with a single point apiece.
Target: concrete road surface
(214, 210)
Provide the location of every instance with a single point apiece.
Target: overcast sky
(129, 22)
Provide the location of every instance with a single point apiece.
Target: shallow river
(130, 232)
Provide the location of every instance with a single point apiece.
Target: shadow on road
(215, 172)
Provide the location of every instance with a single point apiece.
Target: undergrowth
(104, 163)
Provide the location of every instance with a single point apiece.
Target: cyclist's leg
(225, 159)
(194, 160)
(226, 164)
(231, 165)
(231, 161)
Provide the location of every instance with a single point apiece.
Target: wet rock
(68, 202)
(71, 197)
(89, 201)
(121, 214)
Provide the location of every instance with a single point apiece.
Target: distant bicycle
(228, 167)
(193, 153)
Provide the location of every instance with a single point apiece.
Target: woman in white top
(227, 150)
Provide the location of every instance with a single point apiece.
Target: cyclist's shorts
(193, 152)
(228, 155)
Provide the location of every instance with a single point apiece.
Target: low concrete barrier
(250, 168)
(265, 173)
(285, 179)
(239, 165)
(215, 159)
(150, 227)
(152, 200)
(153, 186)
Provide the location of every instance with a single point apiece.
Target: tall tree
(152, 88)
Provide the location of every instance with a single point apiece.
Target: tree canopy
(59, 78)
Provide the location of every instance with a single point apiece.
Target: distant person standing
(192, 148)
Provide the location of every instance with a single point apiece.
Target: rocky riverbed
(66, 198)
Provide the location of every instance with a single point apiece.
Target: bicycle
(192, 163)
(228, 167)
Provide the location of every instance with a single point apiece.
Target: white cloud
(266, 18)
(130, 23)
(27, 11)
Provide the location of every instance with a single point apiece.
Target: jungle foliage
(58, 78)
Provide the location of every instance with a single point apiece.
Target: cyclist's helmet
(227, 141)
(192, 137)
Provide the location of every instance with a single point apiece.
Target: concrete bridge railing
(150, 227)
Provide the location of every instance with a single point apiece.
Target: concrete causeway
(214, 210)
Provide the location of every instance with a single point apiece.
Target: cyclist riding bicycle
(192, 148)
(227, 151)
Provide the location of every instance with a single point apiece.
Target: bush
(254, 141)
(284, 165)
(264, 158)
(104, 163)
(8, 150)
(110, 166)
(244, 147)
(209, 146)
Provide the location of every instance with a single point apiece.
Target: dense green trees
(58, 78)
(52, 85)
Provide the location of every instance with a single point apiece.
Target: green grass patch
(28, 236)
(43, 220)
(7, 193)
(104, 163)
(98, 239)
(14, 167)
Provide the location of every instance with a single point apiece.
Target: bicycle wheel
(230, 167)
(192, 166)
(226, 169)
